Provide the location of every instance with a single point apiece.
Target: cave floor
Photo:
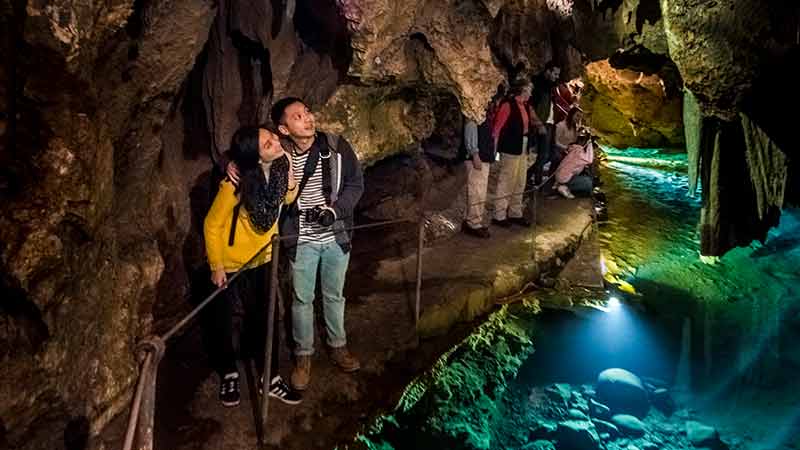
(463, 276)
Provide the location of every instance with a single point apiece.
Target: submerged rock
(559, 392)
(606, 428)
(539, 445)
(598, 409)
(623, 392)
(702, 435)
(577, 414)
(542, 431)
(663, 401)
(577, 435)
(629, 425)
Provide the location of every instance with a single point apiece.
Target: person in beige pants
(512, 128)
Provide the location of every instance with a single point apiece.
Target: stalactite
(769, 169)
(693, 130)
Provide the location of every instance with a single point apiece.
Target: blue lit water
(722, 335)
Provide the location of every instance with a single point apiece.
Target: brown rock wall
(631, 109)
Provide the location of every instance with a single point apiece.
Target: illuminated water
(739, 319)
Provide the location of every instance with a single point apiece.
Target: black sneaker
(520, 221)
(282, 391)
(481, 232)
(229, 390)
(505, 223)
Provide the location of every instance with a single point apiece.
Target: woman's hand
(219, 278)
(232, 170)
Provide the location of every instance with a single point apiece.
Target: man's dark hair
(276, 113)
(550, 65)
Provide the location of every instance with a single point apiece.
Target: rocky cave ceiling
(109, 112)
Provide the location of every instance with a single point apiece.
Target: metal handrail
(152, 349)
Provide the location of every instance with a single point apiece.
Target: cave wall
(627, 108)
(732, 58)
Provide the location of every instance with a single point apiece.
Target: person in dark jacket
(330, 183)
(515, 123)
(542, 99)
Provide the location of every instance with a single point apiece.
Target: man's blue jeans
(332, 263)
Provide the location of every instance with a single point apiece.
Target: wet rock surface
(630, 108)
(622, 391)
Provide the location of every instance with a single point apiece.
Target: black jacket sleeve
(352, 181)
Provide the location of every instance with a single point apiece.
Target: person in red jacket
(563, 100)
(515, 123)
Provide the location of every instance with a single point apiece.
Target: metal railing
(151, 350)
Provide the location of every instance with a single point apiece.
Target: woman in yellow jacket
(238, 229)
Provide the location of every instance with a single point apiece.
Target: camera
(320, 215)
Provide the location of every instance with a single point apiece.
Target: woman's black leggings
(237, 318)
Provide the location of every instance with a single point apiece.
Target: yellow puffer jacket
(247, 242)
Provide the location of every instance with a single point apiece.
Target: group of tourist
(306, 184)
(540, 119)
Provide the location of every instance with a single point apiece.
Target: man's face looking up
(298, 121)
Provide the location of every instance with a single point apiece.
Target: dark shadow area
(322, 26)
(76, 434)
(22, 329)
(196, 135)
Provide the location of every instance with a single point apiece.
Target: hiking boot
(229, 390)
(520, 221)
(301, 375)
(344, 359)
(505, 223)
(481, 232)
(283, 392)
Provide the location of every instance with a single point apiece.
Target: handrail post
(273, 293)
(142, 418)
(534, 205)
(145, 435)
(420, 245)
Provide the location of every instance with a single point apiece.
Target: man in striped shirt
(330, 183)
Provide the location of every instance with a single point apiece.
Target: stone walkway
(463, 278)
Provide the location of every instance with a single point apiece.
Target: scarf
(263, 198)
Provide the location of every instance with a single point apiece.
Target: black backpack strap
(234, 220)
(326, 175)
(308, 170)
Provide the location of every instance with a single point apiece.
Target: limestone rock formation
(80, 255)
(428, 42)
(629, 108)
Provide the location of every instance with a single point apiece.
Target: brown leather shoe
(344, 359)
(301, 375)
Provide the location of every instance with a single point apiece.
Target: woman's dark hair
(276, 113)
(571, 116)
(260, 196)
(244, 148)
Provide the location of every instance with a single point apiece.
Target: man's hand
(476, 162)
(219, 278)
(233, 172)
